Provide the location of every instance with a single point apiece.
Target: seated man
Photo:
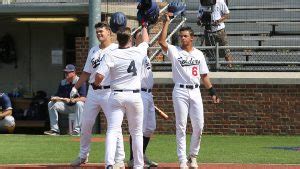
(63, 104)
(7, 121)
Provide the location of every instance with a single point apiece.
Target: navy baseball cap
(69, 68)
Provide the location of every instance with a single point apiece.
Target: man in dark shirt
(61, 103)
(7, 121)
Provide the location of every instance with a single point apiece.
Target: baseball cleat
(183, 165)
(193, 162)
(75, 133)
(119, 165)
(51, 133)
(149, 163)
(78, 161)
(130, 164)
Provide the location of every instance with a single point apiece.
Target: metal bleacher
(263, 35)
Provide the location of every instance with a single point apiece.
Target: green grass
(19, 149)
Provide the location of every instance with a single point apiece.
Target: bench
(239, 33)
(261, 39)
(274, 24)
(30, 123)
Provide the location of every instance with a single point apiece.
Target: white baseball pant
(188, 102)
(149, 121)
(61, 107)
(7, 123)
(131, 104)
(97, 99)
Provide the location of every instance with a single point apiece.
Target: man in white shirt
(213, 18)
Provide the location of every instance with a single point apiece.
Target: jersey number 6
(195, 71)
(131, 68)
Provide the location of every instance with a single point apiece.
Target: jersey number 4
(131, 68)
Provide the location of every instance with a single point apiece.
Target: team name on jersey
(188, 62)
(96, 62)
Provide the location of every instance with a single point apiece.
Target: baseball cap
(69, 68)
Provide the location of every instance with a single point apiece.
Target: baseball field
(215, 149)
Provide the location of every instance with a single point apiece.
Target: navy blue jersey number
(132, 68)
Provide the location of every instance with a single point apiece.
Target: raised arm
(145, 35)
(163, 36)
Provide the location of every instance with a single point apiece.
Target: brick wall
(246, 109)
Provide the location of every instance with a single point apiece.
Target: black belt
(133, 91)
(189, 86)
(146, 90)
(99, 87)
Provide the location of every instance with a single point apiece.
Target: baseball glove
(176, 7)
(148, 15)
(117, 21)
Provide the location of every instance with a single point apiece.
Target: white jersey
(186, 66)
(147, 74)
(124, 67)
(93, 61)
(219, 9)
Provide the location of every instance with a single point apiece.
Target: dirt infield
(161, 165)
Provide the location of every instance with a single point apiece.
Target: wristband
(212, 91)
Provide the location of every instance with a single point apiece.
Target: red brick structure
(247, 109)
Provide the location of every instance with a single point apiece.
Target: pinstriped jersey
(186, 66)
(93, 61)
(124, 67)
(147, 74)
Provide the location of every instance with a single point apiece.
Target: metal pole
(94, 17)
(217, 57)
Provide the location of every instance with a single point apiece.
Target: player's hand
(55, 98)
(216, 99)
(216, 23)
(168, 16)
(74, 92)
(67, 100)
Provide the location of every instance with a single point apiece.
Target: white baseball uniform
(149, 122)
(124, 67)
(186, 70)
(97, 99)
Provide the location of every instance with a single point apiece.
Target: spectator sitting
(7, 121)
(63, 104)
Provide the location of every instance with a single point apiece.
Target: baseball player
(149, 122)
(188, 66)
(124, 67)
(97, 97)
(7, 121)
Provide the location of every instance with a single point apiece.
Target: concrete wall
(33, 43)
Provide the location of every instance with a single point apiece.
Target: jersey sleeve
(105, 64)
(83, 90)
(224, 8)
(6, 103)
(143, 47)
(171, 51)
(88, 64)
(203, 69)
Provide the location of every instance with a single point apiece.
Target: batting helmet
(117, 21)
(144, 4)
(176, 7)
(149, 15)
